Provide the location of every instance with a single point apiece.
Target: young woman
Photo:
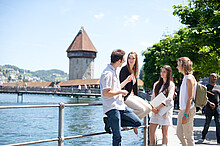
(165, 85)
(140, 107)
(187, 108)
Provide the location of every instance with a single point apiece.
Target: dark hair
(160, 82)
(186, 64)
(135, 68)
(117, 55)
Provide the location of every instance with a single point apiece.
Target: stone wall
(81, 68)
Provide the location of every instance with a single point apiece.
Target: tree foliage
(199, 40)
(202, 18)
(169, 49)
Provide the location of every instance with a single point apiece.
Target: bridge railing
(61, 137)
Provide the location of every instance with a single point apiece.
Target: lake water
(33, 124)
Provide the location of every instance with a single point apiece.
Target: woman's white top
(166, 119)
(183, 97)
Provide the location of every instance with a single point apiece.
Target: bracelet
(163, 104)
(185, 115)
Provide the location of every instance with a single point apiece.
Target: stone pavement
(199, 122)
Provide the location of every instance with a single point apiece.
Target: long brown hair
(135, 68)
(160, 82)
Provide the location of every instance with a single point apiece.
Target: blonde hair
(186, 65)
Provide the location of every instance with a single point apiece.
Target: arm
(170, 94)
(155, 110)
(124, 77)
(127, 80)
(190, 83)
(212, 105)
(169, 98)
(109, 93)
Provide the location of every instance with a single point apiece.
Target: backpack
(201, 96)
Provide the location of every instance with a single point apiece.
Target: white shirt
(110, 80)
(183, 97)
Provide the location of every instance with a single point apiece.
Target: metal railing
(61, 137)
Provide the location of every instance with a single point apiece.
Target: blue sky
(35, 34)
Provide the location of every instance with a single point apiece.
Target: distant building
(81, 54)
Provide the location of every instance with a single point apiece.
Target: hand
(123, 99)
(184, 120)
(133, 79)
(155, 110)
(124, 92)
(129, 78)
(212, 105)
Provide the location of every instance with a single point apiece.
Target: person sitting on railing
(113, 103)
(140, 107)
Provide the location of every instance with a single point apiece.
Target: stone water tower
(81, 54)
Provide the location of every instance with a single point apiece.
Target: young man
(113, 103)
(211, 108)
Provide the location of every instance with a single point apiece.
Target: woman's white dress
(166, 119)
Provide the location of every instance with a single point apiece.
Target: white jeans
(140, 106)
(185, 131)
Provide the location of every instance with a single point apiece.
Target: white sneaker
(200, 141)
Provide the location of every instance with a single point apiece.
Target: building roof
(82, 43)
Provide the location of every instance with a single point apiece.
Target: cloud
(99, 16)
(131, 20)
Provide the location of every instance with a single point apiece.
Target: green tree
(9, 78)
(20, 77)
(4, 73)
(202, 18)
(199, 41)
(167, 52)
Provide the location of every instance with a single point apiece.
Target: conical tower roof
(82, 43)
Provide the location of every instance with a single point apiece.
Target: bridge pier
(18, 98)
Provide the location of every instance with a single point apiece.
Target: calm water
(32, 124)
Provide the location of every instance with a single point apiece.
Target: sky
(35, 34)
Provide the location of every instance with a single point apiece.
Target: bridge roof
(63, 83)
(82, 43)
(30, 84)
(79, 82)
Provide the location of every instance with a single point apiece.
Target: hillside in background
(11, 73)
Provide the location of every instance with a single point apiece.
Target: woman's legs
(140, 107)
(165, 134)
(152, 130)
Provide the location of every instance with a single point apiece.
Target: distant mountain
(51, 75)
(11, 73)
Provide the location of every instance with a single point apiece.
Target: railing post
(61, 125)
(146, 130)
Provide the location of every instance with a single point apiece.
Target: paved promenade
(199, 122)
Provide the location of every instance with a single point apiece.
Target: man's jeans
(208, 114)
(122, 118)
